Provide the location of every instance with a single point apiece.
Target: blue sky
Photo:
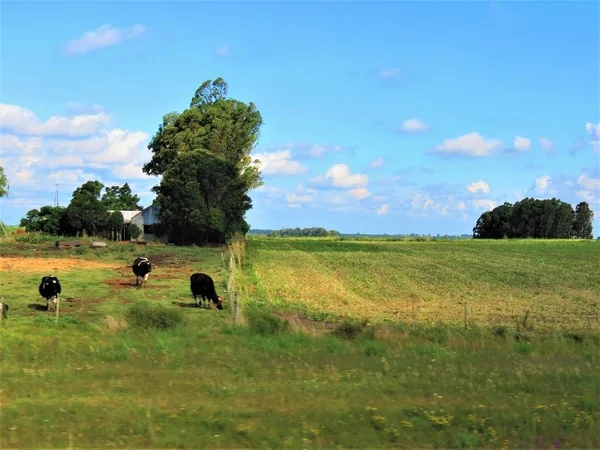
(379, 117)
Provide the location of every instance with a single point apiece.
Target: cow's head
(219, 303)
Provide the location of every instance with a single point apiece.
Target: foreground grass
(96, 381)
(429, 282)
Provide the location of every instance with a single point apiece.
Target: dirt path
(37, 264)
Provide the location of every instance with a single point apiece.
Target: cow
(203, 285)
(49, 289)
(4, 310)
(141, 268)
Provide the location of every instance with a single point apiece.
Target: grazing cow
(204, 286)
(49, 289)
(141, 268)
(4, 310)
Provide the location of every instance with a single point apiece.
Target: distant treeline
(533, 218)
(303, 232)
(293, 232)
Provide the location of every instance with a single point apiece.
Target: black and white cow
(49, 289)
(141, 268)
(204, 286)
(4, 310)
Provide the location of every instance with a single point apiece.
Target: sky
(379, 117)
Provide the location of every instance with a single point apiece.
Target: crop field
(99, 379)
(557, 282)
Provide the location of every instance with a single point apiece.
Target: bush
(262, 321)
(134, 231)
(144, 314)
(350, 329)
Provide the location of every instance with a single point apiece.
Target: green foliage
(352, 328)
(120, 198)
(202, 198)
(135, 231)
(147, 315)
(582, 225)
(4, 184)
(85, 213)
(46, 220)
(262, 321)
(204, 157)
(533, 218)
(115, 222)
(303, 232)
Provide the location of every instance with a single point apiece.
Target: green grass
(429, 282)
(95, 380)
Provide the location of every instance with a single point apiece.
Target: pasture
(96, 380)
(430, 282)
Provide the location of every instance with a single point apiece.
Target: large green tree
(46, 220)
(86, 212)
(203, 154)
(582, 225)
(120, 198)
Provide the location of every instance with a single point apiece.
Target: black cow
(4, 310)
(49, 289)
(204, 286)
(141, 268)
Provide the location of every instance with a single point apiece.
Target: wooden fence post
(57, 308)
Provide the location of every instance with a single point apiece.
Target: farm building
(145, 219)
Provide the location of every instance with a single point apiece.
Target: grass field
(96, 380)
(429, 282)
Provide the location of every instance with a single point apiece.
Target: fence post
(57, 308)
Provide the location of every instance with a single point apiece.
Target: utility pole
(56, 193)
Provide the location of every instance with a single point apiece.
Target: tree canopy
(203, 154)
(120, 198)
(533, 218)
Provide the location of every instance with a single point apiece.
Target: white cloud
(542, 183)
(546, 144)
(484, 204)
(479, 186)
(10, 143)
(594, 132)
(413, 126)
(24, 122)
(461, 205)
(376, 163)
(522, 144)
(223, 50)
(589, 183)
(470, 145)
(340, 176)
(425, 203)
(393, 72)
(383, 209)
(359, 193)
(102, 37)
(279, 163)
(74, 176)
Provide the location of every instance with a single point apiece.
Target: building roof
(127, 215)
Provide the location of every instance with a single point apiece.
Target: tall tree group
(203, 155)
(533, 218)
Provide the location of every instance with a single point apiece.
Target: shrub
(134, 231)
(262, 321)
(144, 314)
(350, 329)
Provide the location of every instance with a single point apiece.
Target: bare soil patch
(53, 264)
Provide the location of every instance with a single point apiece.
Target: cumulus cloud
(24, 122)
(393, 72)
(222, 50)
(594, 134)
(339, 175)
(542, 183)
(302, 150)
(461, 205)
(279, 163)
(383, 209)
(485, 204)
(469, 145)
(479, 186)
(376, 163)
(413, 126)
(546, 144)
(422, 203)
(102, 37)
(359, 193)
(522, 144)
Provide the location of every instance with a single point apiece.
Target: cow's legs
(145, 279)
